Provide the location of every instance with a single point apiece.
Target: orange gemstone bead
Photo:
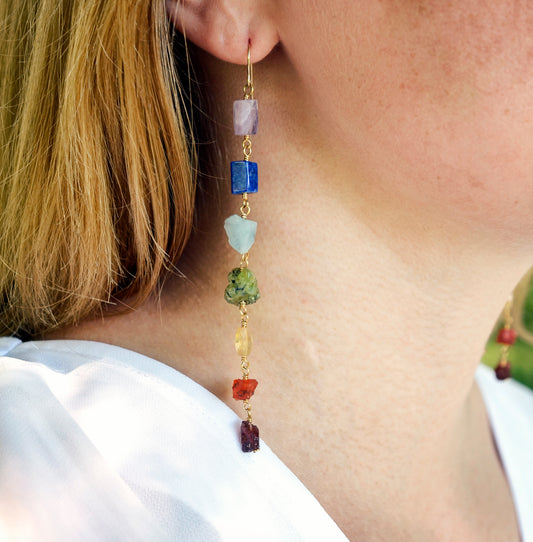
(244, 389)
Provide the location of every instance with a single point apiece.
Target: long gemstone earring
(242, 287)
(506, 337)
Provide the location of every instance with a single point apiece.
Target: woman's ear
(223, 28)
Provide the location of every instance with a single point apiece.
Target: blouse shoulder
(133, 450)
(54, 482)
(509, 406)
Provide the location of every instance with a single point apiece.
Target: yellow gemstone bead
(243, 341)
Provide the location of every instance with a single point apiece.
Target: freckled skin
(432, 101)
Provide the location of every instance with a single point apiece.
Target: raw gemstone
(244, 389)
(503, 370)
(506, 336)
(249, 437)
(243, 177)
(242, 287)
(240, 232)
(243, 341)
(245, 117)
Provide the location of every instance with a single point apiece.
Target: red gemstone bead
(244, 389)
(506, 336)
(249, 437)
(503, 370)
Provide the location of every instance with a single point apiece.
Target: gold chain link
(507, 315)
(247, 147)
(245, 367)
(244, 314)
(248, 91)
(245, 206)
(507, 324)
(248, 409)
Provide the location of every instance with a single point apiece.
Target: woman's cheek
(431, 99)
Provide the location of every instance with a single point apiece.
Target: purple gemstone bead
(503, 371)
(245, 117)
(249, 437)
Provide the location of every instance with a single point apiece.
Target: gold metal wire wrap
(245, 206)
(247, 147)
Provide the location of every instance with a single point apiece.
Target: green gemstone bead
(242, 287)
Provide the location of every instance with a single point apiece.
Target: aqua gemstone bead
(243, 177)
(242, 287)
(240, 232)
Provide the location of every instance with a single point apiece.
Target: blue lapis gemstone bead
(243, 177)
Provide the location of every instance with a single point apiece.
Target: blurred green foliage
(527, 315)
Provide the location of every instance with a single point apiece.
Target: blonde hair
(96, 165)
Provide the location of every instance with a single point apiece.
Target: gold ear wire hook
(250, 68)
(249, 88)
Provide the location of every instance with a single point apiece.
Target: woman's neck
(373, 318)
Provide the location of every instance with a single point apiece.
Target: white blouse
(98, 444)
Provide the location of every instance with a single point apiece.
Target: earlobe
(224, 27)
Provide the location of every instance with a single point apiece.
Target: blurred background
(521, 353)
